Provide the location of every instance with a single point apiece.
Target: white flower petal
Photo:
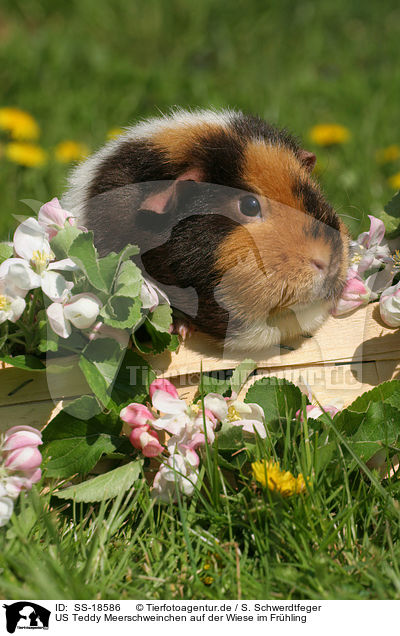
(6, 510)
(82, 310)
(217, 405)
(165, 403)
(18, 274)
(66, 264)
(29, 238)
(58, 323)
(55, 286)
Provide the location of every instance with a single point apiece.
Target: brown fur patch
(269, 170)
(178, 141)
(268, 266)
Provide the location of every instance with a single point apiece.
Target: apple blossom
(21, 436)
(81, 311)
(179, 471)
(23, 459)
(146, 440)
(163, 385)
(152, 296)
(389, 305)
(11, 307)
(136, 415)
(52, 217)
(355, 293)
(6, 509)
(315, 411)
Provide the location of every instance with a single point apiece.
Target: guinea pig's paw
(182, 328)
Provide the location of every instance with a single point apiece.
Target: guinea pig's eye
(250, 206)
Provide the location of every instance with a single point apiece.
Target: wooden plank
(356, 337)
(35, 414)
(61, 379)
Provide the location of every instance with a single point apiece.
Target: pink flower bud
(20, 439)
(163, 385)
(136, 415)
(26, 458)
(146, 440)
(315, 412)
(52, 217)
(355, 293)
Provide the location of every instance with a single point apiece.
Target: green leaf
(212, 384)
(84, 254)
(48, 340)
(276, 396)
(30, 363)
(391, 217)
(160, 340)
(63, 240)
(133, 380)
(6, 251)
(100, 362)
(129, 280)
(104, 486)
(75, 446)
(161, 318)
(386, 392)
(230, 437)
(368, 432)
(121, 312)
(241, 373)
(84, 407)
(110, 265)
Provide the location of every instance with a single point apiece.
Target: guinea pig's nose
(320, 264)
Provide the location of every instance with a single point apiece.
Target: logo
(26, 615)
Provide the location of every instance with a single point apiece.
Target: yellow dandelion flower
(28, 155)
(268, 473)
(394, 181)
(114, 132)
(19, 124)
(208, 580)
(388, 154)
(329, 134)
(67, 151)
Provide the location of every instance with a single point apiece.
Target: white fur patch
(258, 336)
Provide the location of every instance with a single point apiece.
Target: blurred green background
(82, 67)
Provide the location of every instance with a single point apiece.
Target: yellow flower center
(396, 258)
(195, 408)
(39, 261)
(5, 303)
(233, 414)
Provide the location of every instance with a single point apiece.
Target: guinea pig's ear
(308, 159)
(159, 202)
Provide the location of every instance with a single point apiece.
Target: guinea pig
(229, 221)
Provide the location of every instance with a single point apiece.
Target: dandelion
(394, 181)
(67, 151)
(329, 134)
(24, 154)
(388, 154)
(268, 473)
(19, 124)
(113, 133)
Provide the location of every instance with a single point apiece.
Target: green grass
(339, 540)
(82, 67)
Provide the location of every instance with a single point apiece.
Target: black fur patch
(249, 127)
(132, 162)
(315, 204)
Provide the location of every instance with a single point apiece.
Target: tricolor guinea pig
(229, 221)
